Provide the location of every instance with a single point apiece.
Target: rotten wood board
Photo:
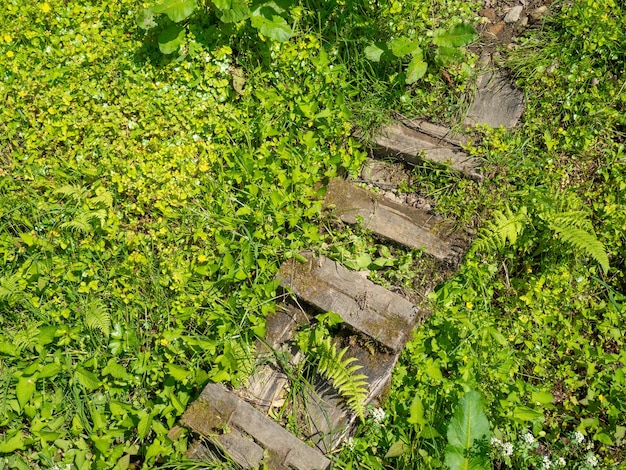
(363, 305)
(217, 409)
(398, 140)
(265, 386)
(497, 102)
(436, 131)
(408, 226)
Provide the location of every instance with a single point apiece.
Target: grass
(146, 204)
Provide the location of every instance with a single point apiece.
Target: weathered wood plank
(217, 409)
(365, 306)
(408, 226)
(440, 133)
(266, 385)
(497, 102)
(400, 141)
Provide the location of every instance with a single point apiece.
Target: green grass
(146, 204)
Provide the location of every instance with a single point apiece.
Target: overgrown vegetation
(147, 200)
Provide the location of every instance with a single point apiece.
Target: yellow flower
(10, 54)
(202, 259)
(46, 8)
(469, 305)
(7, 38)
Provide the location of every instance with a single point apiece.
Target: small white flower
(195, 137)
(591, 460)
(495, 442)
(507, 449)
(561, 462)
(546, 462)
(350, 443)
(578, 437)
(379, 415)
(529, 438)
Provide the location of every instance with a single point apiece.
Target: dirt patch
(504, 21)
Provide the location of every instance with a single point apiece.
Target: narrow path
(377, 323)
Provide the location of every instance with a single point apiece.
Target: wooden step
(408, 226)
(414, 145)
(247, 435)
(365, 306)
(498, 102)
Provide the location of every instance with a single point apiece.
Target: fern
(9, 288)
(82, 221)
(585, 241)
(74, 191)
(26, 338)
(97, 317)
(341, 371)
(506, 228)
(105, 198)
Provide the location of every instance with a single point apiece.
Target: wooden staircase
(377, 323)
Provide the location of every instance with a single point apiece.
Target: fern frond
(26, 338)
(572, 219)
(74, 191)
(97, 317)
(505, 228)
(585, 241)
(9, 287)
(342, 372)
(105, 198)
(83, 219)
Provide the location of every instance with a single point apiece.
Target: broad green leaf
(373, 52)
(523, 413)
(456, 460)
(46, 335)
(397, 449)
(460, 35)
(543, 398)
(49, 370)
(25, 388)
(232, 11)
(469, 422)
(416, 69)
(403, 46)
(116, 370)
(176, 10)
(145, 18)
(12, 444)
(433, 371)
(429, 433)
(171, 38)
(179, 373)
(7, 348)
(87, 379)
(417, 412)
(449, 55)
(144, 425)
(271, 24)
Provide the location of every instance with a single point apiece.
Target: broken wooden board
(441, 133)
(252, 437)
(385, 175)
(265, 386)
(364, 306)
(497, 102)
(398, 140)
(408, 226)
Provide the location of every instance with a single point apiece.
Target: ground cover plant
(147, 200)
